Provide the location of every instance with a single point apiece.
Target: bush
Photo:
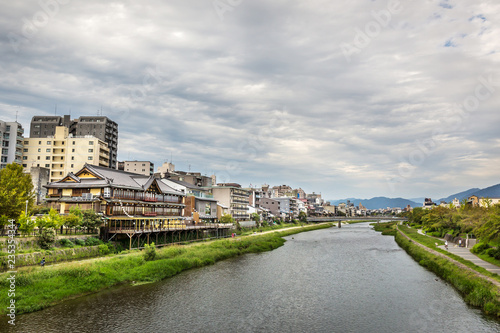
(79, 242)
(149, 252)
(66, 243)
(479, 248)
(92, 241)
(46, 238)
(103, 249)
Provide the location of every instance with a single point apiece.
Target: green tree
(303, 217)
(91, 220)
(51, 220)
(227, 218)
(73, 219)
(15, 189)
(256, 218)
(149, 252)
(27, 224)
(489, 228)
(46, 238)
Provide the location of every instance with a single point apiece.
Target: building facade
(63, 153)
(140, 167)
(234, 197)
(100, 127)
(119, 196)
(11, 134)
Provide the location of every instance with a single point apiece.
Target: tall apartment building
(234, 197)
(64, 153)
(140, 167)
(11, 135)
(100, 127)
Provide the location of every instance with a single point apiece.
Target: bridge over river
(362, 218)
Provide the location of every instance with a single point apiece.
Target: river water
(332, 280)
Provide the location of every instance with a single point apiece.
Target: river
(332, 280)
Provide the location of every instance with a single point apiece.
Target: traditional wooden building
(130, 204)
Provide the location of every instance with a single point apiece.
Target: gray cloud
(266, 94)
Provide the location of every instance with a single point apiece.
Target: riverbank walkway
(465, 253)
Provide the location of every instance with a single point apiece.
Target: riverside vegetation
(475, 290)
(38, 288)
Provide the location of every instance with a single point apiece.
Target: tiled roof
(114, 178)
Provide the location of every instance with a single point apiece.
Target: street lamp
(26, 211)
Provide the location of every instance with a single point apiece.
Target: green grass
(489, 259)
(38, 288)
(431, 243)
(387, 228)
(475, 290)
(361, 221)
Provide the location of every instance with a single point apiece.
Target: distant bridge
(362, 218)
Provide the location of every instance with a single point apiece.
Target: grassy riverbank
(37, 288)
(475, 290)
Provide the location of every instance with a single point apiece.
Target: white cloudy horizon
(348, 99)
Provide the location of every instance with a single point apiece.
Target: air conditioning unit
(87, 196)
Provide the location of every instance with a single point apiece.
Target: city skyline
(358, 99)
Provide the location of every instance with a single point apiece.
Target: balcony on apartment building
(201, 195)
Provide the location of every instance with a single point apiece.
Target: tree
(227, 218)
(46, 238)
(52, 220)
(303, 217)
(15, 189)
(27, 225)
(91, 220)
(74, 218)
(256, 218)
(149, 252)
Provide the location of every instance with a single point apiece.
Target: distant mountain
(489, 192)
(460, 196)
(384, 202)
(379, 202)
(418, 200)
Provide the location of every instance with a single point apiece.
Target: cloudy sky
(351, 98)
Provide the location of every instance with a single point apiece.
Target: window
(26, 142)
(90, 158)
(73, 142)
(63, 142)
(25, 150)
(72, 165)
(91, 142)
(38, 157)
(46, 165)
(39, 142)
(24, 165)
(73, 150)
(91, 150)
(25, 157)
(39, 150)
(47, 158)
(47, 150)
(49, 142)
(107, 192)
(72, 158)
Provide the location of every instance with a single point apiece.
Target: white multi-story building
(11, 134)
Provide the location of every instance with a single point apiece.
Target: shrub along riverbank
(38, 288)
(475, 290)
